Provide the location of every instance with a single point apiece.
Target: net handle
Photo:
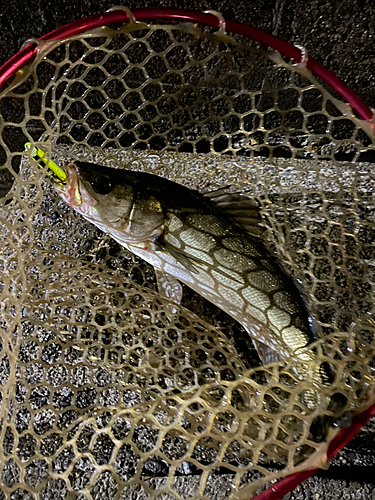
(26, 56)
(278, 490)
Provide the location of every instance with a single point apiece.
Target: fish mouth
(73, 192)
(69, 191)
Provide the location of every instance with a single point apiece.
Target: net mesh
(110, 391)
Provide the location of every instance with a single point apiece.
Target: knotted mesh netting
(108, 389)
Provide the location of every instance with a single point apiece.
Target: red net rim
(26, 56)
(278, 490)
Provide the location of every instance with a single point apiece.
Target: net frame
(120, 15)
(27, 54)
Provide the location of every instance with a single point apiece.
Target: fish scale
(257, 288)
(196, 239)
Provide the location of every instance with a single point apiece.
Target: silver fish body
(184, 234)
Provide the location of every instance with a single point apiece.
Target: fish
(211, 242)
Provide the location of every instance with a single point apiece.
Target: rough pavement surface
(339, 34)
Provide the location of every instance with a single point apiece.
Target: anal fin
(267, 355)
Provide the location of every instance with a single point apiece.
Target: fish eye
(102, 185)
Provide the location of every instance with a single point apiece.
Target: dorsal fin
(245, 211)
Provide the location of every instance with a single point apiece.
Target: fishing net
(108, 389)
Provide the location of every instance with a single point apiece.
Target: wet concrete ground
(339, 34)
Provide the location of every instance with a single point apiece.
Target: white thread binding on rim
(128, 12)
(304, 55)
(31, 41)
(222, 31)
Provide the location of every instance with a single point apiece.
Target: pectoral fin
(181, 258)
(169, 286)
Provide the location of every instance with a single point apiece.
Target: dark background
(339, 34)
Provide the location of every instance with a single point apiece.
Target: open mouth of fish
(73, 194)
